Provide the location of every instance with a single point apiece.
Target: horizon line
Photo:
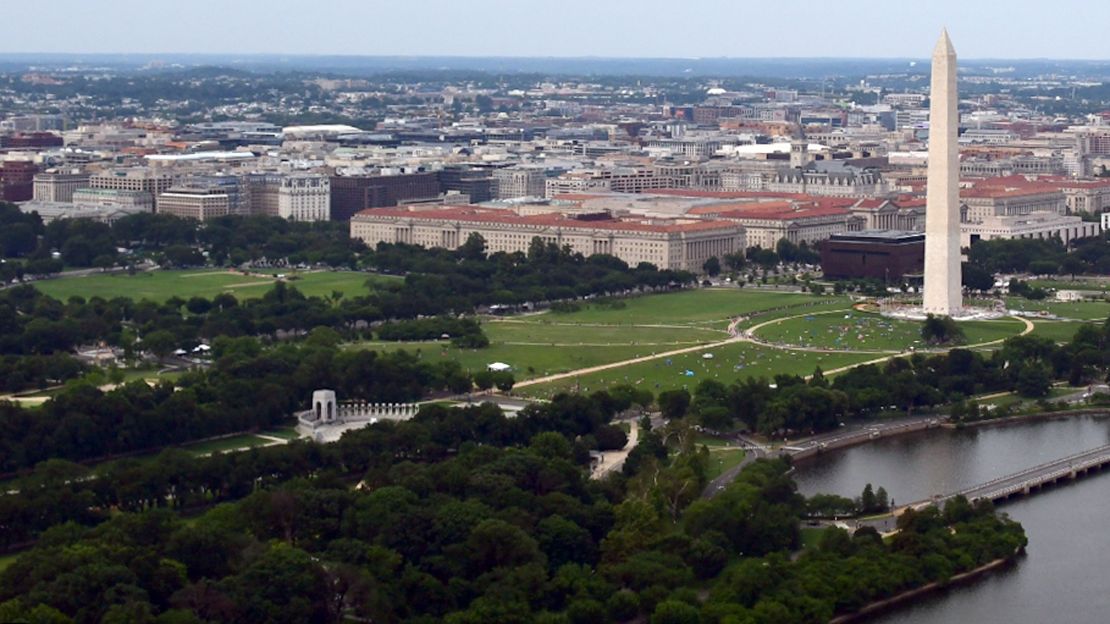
(545, 57)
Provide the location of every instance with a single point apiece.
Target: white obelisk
(943, 283)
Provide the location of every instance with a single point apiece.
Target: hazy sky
(627, 28)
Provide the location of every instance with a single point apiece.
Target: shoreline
(881, 606)
(1034, 416)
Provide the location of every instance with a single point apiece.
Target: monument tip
(944, 45)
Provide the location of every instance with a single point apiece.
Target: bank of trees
(246, 388)
(1043, 256)
(789, 405)
(440, 280)
(498, 532)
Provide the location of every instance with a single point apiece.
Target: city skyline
(619, 29)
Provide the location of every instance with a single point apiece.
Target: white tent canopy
(498, 367)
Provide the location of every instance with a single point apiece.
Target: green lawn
(1079, 310)
(528, 361)
(285, 433)
(1059, 331)
(811, 536)
(978, 332)
(710, 305)
(854, 330)
(7, 560)
(849, 330)
(731, 362)
(1093, 285)
(161, 285)
(549, 330)
(720, 461)
(226, 444)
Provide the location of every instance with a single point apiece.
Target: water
(1061, 580)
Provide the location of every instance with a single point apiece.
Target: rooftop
(474, 214)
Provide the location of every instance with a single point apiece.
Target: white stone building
(680, 244)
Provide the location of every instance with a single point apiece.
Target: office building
(681, 244)
(59, 186)
(350, 194)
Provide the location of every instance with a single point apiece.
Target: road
(752, 451)
(849, 435)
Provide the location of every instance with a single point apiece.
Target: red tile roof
(781, 211)
(474, 214)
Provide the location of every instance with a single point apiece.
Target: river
(1062, 578)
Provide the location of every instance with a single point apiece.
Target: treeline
(488, 534)
(439, 280)
(246, 388)
(1027, 365)
(1043, 256)
(62, 491)
(462, 332)
(846, 572)
(171, 240)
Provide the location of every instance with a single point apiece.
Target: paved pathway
(612, 460)
(749, 337)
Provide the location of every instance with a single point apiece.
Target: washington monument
(943, 282)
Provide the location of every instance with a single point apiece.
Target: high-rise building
(350, 194)
(943, 282)
(474, 182)
(58, 186)
(514, 182)
(17, 180)
(135, 179)
(297, 197)
(200, 202)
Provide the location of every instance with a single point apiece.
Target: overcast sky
(1074, 29)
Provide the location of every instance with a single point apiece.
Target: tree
(198, 305)
(674, 403)
(161, 343)
(503, 380)
(1072, 265)
(976, 278)
(941, 330)
(712, 267)
(1033, 380)
(474, 248)
(675, 612)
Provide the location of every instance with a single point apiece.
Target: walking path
(748, 335)
(612, 460)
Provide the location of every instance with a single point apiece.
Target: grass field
(7, 560)
(811, 536)
(1059, 331)
(285, 433)
(161, 285)
(224, 445)
(528, 361)
(730, 362)
(712, 306)
(854, 330)
(1079, 310)
(552, 331)
(848, 329)
(1093, 285)
(721, 460)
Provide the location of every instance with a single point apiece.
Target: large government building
(680, 244)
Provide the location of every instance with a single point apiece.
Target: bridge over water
(1026, 481)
